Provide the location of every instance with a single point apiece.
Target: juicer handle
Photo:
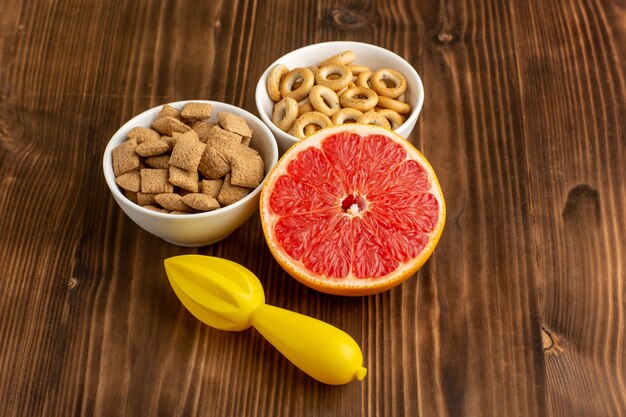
(324, 352)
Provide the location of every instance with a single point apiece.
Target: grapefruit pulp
(352, 210)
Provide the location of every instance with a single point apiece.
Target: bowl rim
(262, 80)
(109, 176)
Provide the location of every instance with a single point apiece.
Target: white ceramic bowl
(202, 228)
(373, 56)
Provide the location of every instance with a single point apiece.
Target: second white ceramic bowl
(202, 228)
(373, 56)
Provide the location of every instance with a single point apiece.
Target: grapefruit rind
(349, 285)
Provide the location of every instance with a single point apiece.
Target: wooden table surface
(521, 311)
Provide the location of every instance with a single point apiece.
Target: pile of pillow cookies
(185, 164)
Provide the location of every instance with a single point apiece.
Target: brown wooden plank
(575, 104)
(522, 121)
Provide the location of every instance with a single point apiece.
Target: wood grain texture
(521, 311)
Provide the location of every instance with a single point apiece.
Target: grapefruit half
(352, 210)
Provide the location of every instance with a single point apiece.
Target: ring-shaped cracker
(344, 58)
(310, 129)
(312, 117)
(387, 74)
(395, 105)
(363, 79)
(285, 113)
(304, 106)
(373, 118)
(336, 84)
(273, 81)
(288, 81)
(357, 69)
(324, 100)
(343, 90)
(342, 115)
(394, 118)
(360, 98)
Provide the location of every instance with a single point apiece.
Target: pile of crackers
(187, 164)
